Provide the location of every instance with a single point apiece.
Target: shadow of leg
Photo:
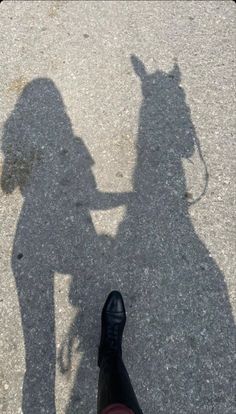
(35, 292)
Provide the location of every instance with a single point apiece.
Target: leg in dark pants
(114, 383)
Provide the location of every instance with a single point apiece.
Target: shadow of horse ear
(175, 72)
(139, 67)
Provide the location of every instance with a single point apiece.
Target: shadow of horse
(180, 343)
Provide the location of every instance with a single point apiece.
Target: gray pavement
(117, 172)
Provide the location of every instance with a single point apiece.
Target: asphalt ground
(117, 172)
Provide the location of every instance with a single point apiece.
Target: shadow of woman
(181, 343)
(55, 232)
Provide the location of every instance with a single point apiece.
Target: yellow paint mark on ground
(53, 10)
(17, 85)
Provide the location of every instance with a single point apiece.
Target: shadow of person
(55, 232)
(183, 344)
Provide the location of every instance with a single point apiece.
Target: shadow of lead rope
(206, 174)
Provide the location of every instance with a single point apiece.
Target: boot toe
(114, 303)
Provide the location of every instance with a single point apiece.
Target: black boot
(114, 383)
